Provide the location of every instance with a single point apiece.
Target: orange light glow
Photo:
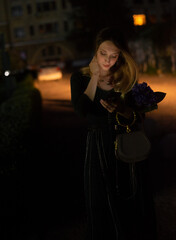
(139, 19)
(50, 77)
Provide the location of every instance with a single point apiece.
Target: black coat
(115, 211)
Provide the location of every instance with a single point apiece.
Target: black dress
(115, 211)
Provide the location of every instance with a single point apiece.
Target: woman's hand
(117, 106)
(111, 107)
(94, 68)
(92, 86)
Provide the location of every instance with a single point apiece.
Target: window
(23, 55)
(31, 30)
(19, 32)
(39, 7)
(44, 52)
(53, 5)
(41, 28)
(29, 9)
(13, 0)
(139, 19)
(50, 50)
(152, 18)
(65, 26)
(17, 11)
(51, 27)
(138, 1)
(46, 6)
(63, 4)
(48, 27)
(55, 27)
(59, 51)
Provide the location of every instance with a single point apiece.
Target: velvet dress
(116, 208)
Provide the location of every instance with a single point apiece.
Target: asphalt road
(57, 208)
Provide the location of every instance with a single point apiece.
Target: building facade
(154, 10)
(156, 18)
(35, 31)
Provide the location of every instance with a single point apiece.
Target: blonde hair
(126, 75)
(125, 71)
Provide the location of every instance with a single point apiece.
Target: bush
(20, 117)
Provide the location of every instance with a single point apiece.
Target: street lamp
(7, 73)
(8, 80)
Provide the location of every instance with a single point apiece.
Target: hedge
(20, 117)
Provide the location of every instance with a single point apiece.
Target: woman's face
(107, 55)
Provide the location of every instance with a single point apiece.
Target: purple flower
(143, 95)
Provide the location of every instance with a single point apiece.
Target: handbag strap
(128, 130)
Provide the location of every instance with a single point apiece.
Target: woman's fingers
(94, 68)
(109, 107)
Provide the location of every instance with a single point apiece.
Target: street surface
(63, 140)
(60, 90)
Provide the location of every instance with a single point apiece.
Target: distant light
(7, 73)
(139, 19)
(50, 76)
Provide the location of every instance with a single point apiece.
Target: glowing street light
(7, 73)
(139, 19)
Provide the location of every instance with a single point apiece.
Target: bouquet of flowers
(145, 99)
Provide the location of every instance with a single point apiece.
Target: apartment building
(36, 30)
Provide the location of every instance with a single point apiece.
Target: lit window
(139, 19)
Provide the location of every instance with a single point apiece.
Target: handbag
(131, 146)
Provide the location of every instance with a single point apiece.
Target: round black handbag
(131, 146)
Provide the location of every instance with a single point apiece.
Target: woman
(115, 210)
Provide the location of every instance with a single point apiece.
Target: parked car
(49, 71)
